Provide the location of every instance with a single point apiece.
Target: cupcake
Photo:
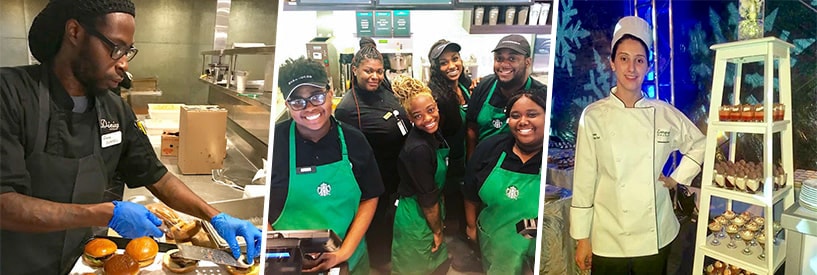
(752, 226)
(729, 214)
(738, 221)
(715, 226)
(746, 215)
(732, 228)
(722, 220)
(759, 220)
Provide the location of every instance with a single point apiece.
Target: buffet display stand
(768, 257)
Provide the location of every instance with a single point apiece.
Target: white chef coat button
(613, 134)
(622, 186)
(628, 233)
(652, 229)
(625, 211)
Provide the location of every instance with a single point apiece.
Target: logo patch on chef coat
(324, 189)
(110, 126)
(596, 136)
(512, 192)
(662, 135)
(496, 123)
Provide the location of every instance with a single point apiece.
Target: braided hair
(407, 88)
(48, 28)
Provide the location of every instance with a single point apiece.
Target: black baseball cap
(318, 80)
(514, 42)
(437, 51)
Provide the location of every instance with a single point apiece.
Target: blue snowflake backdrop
(582, 73)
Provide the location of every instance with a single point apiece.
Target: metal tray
(312, 241)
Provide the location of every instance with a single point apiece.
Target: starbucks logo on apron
(324, 189)
(512, 192)
(496, 123)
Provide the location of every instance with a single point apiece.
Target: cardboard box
(170, 143)
(202, 139)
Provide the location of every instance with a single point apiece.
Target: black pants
(646, 265)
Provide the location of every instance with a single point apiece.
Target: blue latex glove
(229, 227)
(131, 220)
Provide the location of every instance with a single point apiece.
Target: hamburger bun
(143, 250)
(120, 264)
(171, 262)
(97, 251)
(251, 270)
(183, 231)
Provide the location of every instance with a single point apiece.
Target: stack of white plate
(808, 194)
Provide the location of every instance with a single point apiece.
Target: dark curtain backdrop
(582, 73)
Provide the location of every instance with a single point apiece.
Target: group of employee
(64, 135)
(375, 170)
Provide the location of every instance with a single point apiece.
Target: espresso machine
(322, 50)
(397, 64)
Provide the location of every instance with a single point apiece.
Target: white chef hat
(635, 26)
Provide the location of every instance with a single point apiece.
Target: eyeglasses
(298, 104)
(117, 51)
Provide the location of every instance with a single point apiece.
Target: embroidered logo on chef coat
(662, 136)
(324, 189)
(109, 125)
(596, 136)
(512, 192)
(496, 123)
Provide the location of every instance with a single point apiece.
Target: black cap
(514, 42)
(48, 27)
(439, 49)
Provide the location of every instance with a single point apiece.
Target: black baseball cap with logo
(300, 72)
(515, 43)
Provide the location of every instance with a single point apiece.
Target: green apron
(492, 120)
(413, 239)
(325, 197)
(509, 197)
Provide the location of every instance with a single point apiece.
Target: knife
(212, 255)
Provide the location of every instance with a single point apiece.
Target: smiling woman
(502, 179)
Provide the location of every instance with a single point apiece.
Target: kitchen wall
(170, 34)
(427, 27)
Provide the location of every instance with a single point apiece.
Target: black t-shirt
(69, 134)
(326, 150)
(451, 124)
(484, 159)
(379, 125)
(417, 165)
(497, 100)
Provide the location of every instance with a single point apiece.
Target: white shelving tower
(766, 50)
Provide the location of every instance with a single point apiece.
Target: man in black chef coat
(63, 135)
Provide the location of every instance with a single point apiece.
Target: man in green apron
(64, 135)
(322, 176)
(502, 187)
(418, 246)
(486, 115)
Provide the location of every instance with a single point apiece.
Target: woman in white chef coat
(621, 213)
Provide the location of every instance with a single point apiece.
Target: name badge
(111, 139)
(306, 170)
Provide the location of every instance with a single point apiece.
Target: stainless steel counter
(203, 185)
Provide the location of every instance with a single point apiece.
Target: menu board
(382, 23)
(414, 2)
(401, 23)
(365, 26)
